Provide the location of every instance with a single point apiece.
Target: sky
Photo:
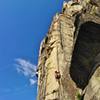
(23, 25)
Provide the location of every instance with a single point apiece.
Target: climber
(57, 75)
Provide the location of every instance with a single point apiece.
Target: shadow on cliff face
(86, 49)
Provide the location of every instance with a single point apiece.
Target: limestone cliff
(68, 67)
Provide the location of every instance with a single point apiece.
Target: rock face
(68, 67)
(93, 88)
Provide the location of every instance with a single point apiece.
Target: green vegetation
(79, 96)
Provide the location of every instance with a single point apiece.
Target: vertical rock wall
(55, 81)
(55, 57)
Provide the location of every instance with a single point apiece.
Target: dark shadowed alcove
(86, 49)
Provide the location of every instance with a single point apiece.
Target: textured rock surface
(93, 88)
(92, 91)
(66, 58)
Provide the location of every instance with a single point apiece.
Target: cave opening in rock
(86, 49)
